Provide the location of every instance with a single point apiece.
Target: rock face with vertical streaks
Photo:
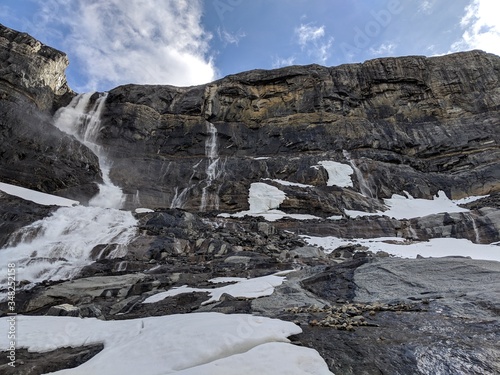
(412, 123)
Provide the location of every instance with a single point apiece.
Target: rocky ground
(364, 313)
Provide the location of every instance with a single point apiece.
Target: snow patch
(263, 197)
(436, 247)
(401, 207)
(263, 200)
(338, 174)
(197, 343)
(470, 199)
(142, 210)
(36, 196)
(246, 288)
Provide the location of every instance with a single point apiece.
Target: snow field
(197, 343)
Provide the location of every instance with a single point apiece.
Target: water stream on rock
(82, 119)
(470, 218)
(364, 187)
(213, 170)
(58, 246)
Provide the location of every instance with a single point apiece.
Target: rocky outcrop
(16, 213)
(36, 70)
(34, 153)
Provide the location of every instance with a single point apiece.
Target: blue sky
(188, 42)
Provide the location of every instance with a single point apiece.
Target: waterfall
(470, 218)
(81, 118)
(180, 198)
(364, 187)
(59, 246)
(212, 171)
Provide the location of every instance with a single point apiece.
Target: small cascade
(122, 266)
(213, 170)
(364, 187)
(136, 200)
(82, 119)
(469, 218)
(180, 197)
(59, 246)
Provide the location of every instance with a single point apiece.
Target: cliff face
(34, 153)
(37, 70)
(412, 123)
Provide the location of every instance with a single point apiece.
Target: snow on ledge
(263, 200)
(288, 183)
(247, 288)
(401, 207)
(36, 196)
(142, 210)
(339, 174)
(436, 247)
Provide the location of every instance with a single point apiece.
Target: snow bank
(197, 343)
(401, 207)
(338, 174)
(263, 200)
(437, 247)
(246, 288)
(36, 196)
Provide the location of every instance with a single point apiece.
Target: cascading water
(58, 246)
(213, 170)
(82, 119)
(364, 187)
(469, 218)
(180, 197)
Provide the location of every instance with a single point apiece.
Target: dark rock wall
(411, 123)
(33, 152)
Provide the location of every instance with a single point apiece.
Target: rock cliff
(34, 153)
(413, 123)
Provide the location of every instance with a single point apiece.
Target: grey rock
(307, 252)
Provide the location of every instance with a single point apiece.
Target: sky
(190, 42)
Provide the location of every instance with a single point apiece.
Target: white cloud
(279, 62)
(308, 34)
(385, 49)
(426, 6)
(314, 41)
(142, 41)
(229, 38)
(481, 27)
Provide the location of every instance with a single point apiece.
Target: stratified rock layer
(411, 123)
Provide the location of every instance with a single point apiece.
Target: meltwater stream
(58, 246)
